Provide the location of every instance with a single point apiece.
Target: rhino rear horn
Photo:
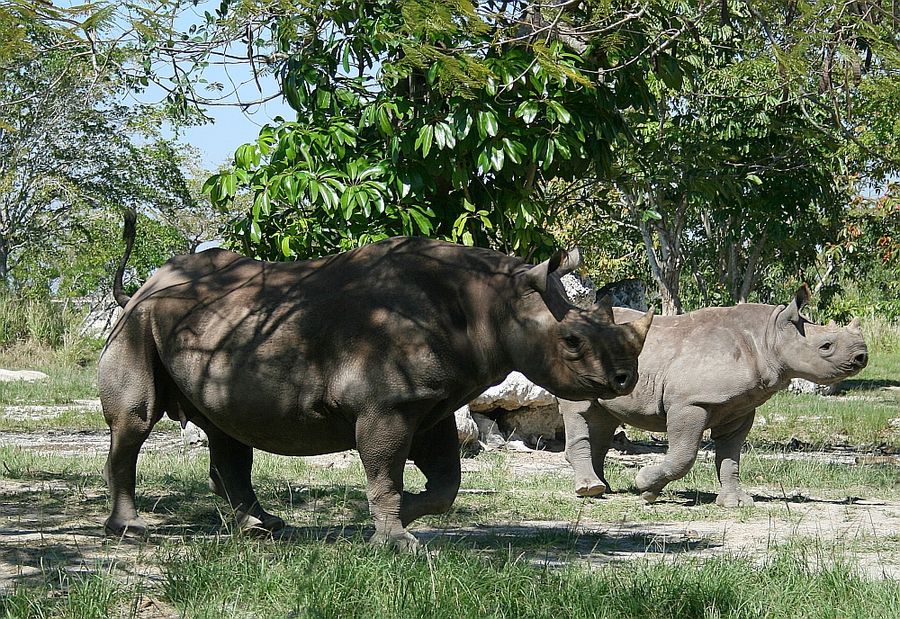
(641, 326)
(561, 261)
(854, 325)
(602, 310)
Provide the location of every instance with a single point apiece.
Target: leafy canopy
(413, 119)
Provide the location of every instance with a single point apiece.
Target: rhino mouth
(599, 387)
(843, 373)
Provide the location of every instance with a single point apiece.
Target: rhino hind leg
(685, 427)
(589, 433)
(436, 454)
(131, 408)
(230, 466)
(729, 440)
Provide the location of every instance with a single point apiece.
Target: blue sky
(218, 140)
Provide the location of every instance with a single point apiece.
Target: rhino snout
(623, 381)
(861, 360)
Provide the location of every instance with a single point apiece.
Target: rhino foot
(585, 488)
(403, 541)
(128, 528)
(263, 522)
(650, 496)
(734, 499)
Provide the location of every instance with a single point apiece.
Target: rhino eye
(825, 347)
(572, 341)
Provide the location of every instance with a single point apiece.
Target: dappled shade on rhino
(370, 349)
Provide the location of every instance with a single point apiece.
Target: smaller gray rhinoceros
(372, 349)
(708, 369)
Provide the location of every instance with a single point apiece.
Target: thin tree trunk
(750, 270)
(4, 265)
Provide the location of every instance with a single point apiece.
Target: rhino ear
(570, 261)
(561, 261)
(801, 297)
(602, 310)
(791, 313)
(854, 326)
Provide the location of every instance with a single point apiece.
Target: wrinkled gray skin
(371, 349)
(708, 369)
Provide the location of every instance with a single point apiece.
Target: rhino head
(822, 354)
(576, 354)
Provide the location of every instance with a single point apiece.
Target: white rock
(514, 392)
(580, 290)
(534, 424)
(517, 445)
(801, 385)
(488, 432)
(466, 427)
(192, 435)
(28, 376)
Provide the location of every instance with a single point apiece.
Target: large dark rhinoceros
(708, 370)
(372, 349)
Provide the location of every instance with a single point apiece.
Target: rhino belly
(268, 405)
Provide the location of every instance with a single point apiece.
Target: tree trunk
(667, 264)
(4, 265)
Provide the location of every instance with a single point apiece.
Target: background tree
(69, 154)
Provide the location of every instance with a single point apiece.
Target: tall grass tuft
(881, 334)
(39, 321)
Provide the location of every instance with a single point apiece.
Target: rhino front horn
(641, 326)
(854, 325)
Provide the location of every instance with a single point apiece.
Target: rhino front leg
(436, 453)
(230, 466)
(685, 427)
(729, 439)
(589, 433)
(384, 443)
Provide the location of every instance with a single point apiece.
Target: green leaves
(527, 111)
(487, 123)
(404, 130)
(423, 142)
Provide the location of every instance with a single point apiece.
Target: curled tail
(128, 234)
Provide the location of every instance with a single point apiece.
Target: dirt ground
(36, 537)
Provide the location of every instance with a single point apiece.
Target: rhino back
(710, 357)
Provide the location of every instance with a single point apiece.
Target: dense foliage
(725, 150)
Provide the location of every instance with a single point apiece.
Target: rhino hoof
(649, 496)
(734, 499)
(267, 523)
(131, 528)
(588, 489)
(404, 541)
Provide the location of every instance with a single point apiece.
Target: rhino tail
(128, 234)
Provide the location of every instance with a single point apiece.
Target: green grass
(66, 382)
(242, 577)
(491, 567)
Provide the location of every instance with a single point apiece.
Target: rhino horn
(854, 325)
(641, 326)
(561, 261)
(602, 310)
(831, 326)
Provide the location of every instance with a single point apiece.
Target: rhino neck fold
(769, 367)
